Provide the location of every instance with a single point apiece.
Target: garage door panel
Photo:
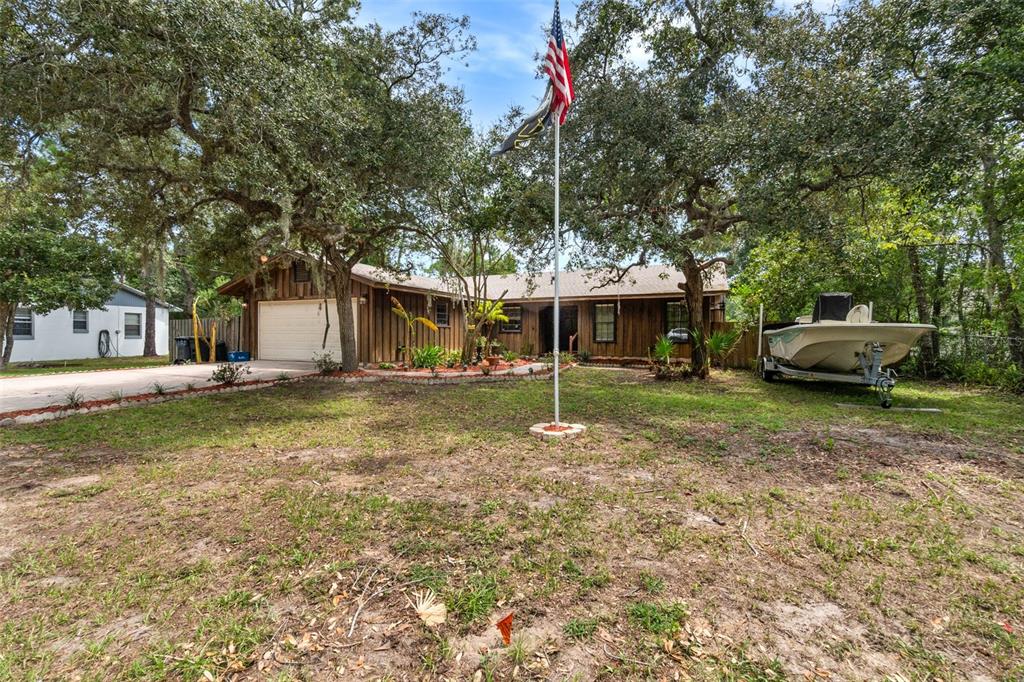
(294, 330)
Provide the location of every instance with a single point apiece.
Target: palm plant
(721, 344)
(487, 315)
(410, 326)
(663, 348)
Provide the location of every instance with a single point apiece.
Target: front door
(568, 325)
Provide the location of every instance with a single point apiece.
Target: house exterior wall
(380, 331)
(54, 339)
(638, 324)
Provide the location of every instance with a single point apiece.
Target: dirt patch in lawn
(649, 549)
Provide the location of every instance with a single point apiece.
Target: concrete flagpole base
(549, 431)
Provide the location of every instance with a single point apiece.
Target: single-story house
(284, 314)
(65, 334)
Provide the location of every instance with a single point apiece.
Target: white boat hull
(835, 346)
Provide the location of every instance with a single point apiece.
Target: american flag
(556, 63)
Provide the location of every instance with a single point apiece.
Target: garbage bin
(185, 350)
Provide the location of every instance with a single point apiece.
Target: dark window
(133, 325)
(604, 322)
(300, 271)
(676, 316)
(23, 328)
(441, 313)
(80, 321)
(514, 314)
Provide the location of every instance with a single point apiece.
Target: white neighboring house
(74, 334)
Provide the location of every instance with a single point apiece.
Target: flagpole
(557, 116)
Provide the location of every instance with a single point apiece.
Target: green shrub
(386, 365)
(325, 362)
(721, 344)
(584, 355)
(228, 373)
(510, 356)
(662, 351)
(452, 358)
(428, 356)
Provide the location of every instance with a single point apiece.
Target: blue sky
(502, 71)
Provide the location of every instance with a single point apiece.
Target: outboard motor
(832, 306)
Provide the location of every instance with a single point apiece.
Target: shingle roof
(379, 276)
(651, 280)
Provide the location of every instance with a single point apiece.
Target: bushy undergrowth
(1009, 378)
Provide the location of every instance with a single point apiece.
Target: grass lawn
(19, 369)
(734, 530)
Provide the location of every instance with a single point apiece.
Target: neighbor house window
(676, 316)
(300, 271)
(604, 322)
(133, 325)
(80, 321)
(514, 314)
(441, 313)
(23, 326)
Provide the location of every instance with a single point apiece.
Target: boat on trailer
(839, 342)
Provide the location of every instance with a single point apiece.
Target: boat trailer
(871, 374)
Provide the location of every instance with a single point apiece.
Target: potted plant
(494, 353)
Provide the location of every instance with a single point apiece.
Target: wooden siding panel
(638, 324)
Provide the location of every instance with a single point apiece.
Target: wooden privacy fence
(745, 354)
(229, 331)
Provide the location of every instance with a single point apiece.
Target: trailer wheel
(765, 373)
(885, 393)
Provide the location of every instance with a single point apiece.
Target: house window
(514, 313)
(80, 321)
(676, 316)
(23, 324)
(441, 313)
(133, 325)
(604, 322)
(300, 271)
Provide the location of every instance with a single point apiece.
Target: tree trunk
(694, 294)
(7, 329)
(149, 345)
(341, 278)
(924, 313)
(1004, 290)
(937, 300)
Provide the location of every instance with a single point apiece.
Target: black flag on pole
(529, 129)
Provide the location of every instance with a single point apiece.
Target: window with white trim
(24, 325)
(604, 322)
(514, 313)
(80, 321)
(133, 325)
(441, 313)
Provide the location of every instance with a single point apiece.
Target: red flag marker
(505, 628)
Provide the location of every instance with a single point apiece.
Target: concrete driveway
(25, 393)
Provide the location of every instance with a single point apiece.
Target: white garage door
(294, 330)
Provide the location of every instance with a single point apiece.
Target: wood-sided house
(285, 316)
